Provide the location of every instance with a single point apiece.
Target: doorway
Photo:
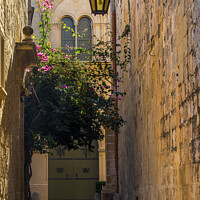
(72, 174)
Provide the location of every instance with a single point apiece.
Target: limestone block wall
(159, 146)
(13, 17)
(39, 179)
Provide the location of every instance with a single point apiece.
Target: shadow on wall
(12, 124)
(13, 115)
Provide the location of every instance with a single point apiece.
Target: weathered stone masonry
(15, 56)
(159, 147)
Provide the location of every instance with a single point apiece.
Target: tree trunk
(28, 153)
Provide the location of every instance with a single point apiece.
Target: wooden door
(72, 174)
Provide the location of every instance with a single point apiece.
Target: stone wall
(13, 17)
(39, 179)
(159, 146)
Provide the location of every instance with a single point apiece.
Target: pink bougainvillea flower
(67, 45)
(64, 86)
(39, 54)
(28, 70)
(38, 47)
(53, 49)
(39, 70)
(43, 67)
(47, 68)
(119, 98)
(67, 56)
(45, 58)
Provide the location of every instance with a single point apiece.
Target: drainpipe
(30, 13)
(115, 87)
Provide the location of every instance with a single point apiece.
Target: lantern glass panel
(100, 4)
(93, 5)
(106, 5)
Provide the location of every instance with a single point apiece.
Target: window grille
(84, 29)
(67, 37)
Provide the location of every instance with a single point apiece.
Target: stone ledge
(27, 49)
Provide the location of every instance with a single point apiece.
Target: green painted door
(72, 174)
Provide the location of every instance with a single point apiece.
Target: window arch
(84, 29)
(67, 37)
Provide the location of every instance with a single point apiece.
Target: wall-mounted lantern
(99, 7)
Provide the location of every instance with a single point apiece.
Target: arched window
(84, 29)
(67, 37)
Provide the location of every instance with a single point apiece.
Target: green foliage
(69, 105)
